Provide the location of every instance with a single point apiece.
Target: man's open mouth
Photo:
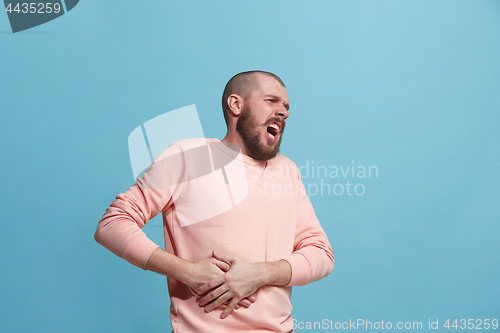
(273, 130)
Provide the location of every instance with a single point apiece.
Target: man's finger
(227, 311)
(215, 294)
(217, 302)
(244, 302)
(210, 285)
(221, 264)
(229, 259)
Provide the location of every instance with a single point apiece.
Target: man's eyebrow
(287, 106)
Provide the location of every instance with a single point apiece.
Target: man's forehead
(270, 86)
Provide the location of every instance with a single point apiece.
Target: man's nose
(282, 112)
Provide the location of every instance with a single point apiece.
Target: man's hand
(207, 270)
(194, 275)
(241, 280)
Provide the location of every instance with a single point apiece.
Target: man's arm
(312, 258)
(120, 228)
(119, 231)
(191, 274)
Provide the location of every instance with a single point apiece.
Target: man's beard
(251, 133)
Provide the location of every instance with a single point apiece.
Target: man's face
(262, 120)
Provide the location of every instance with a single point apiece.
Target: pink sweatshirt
(258, 211)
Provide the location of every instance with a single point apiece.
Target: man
(224, 256)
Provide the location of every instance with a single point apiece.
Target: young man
(244, 232)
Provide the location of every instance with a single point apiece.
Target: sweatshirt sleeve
(312, 258)
(119, 230)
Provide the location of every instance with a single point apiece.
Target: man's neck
(235, 138)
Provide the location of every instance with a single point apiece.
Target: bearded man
(238, 237)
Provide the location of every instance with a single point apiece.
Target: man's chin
(270, 151)
(259, 146)
(263, 154)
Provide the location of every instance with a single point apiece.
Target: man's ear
(235, 104)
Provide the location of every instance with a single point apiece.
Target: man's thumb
(223, 257)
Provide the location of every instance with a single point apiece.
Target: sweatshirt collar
(238, 155)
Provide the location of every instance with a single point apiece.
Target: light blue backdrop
(411, 87)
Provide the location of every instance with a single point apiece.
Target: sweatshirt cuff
(139, 251)
(301, 270)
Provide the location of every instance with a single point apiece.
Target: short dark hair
(243, 84)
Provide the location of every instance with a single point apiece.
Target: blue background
(411, 87)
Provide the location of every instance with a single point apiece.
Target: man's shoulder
(282, 160)
(182, 146)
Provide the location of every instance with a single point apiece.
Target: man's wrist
(187, 273)
(275, 273)
(167, 264)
